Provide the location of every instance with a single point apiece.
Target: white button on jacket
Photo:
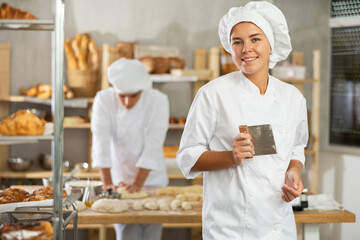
(217, 111)
(125, 140)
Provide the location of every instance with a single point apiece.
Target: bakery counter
(309, 219)
(145, 216)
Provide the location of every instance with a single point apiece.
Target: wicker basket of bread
(82, 65)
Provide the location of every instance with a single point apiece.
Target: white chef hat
(268, 18)
(128, 76)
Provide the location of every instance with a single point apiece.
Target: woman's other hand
(293, 186)
(243, 148)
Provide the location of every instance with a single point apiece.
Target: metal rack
(57, 28)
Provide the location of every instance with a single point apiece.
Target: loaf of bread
(176, 63)
(9, 12)
(22, 123)
(149, 63)
(161, 65)
(125, 49)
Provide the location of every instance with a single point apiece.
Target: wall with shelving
(188, 25)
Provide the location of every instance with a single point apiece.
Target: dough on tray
(110, 205)
(175, 204)
(151, 205)
(126, 195)
(163, 206)
(186, 206)
(138, 205)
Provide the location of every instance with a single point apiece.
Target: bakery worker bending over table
(247, 196)
(129, 124)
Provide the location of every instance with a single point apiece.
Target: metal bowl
(19, 164)
(45, 161)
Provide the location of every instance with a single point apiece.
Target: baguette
(93, 57)
(70, 55)
(83, 52)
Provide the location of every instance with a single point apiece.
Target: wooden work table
(310, 219)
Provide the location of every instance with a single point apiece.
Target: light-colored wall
(185, 24)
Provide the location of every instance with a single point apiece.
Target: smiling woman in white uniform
(247, 196)
(129, 124)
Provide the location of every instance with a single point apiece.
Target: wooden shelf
(78, 125)
(305, 80)
(176, 126)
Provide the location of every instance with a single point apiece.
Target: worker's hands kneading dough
(293, 186)
(243, 148)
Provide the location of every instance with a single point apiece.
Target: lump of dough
(110, 205)
(163, 206)
(151, 205)
(186, 206)
(126, 195)
(80, 206)
(181, 197)
(138, 205)
(175, 204)
(161, 200)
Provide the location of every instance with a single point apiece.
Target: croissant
(9, 12)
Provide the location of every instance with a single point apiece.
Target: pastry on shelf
(22, 123)
(176, 63)
(181, 120)
(161, 65)
(29, 230)
(125, 49)
(149, 63)
(9, 12)
(172, 120)
(44, 91)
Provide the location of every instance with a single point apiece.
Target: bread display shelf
(194, 216)
(43, 25)
(171, 78)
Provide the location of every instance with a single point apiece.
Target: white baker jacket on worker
(125, 140)
(244, 202)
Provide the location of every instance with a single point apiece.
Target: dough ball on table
(181, 197)
(175, 204)
(151, 205)
(161, 201)
(126, 195)
(80, 206)
(164, 206)
(110, 205)
(138, 205)
(186, 206)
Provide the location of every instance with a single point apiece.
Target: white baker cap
(128, 76)
(268, 18)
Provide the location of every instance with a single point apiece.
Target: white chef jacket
(125, 140)
(244, 202)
